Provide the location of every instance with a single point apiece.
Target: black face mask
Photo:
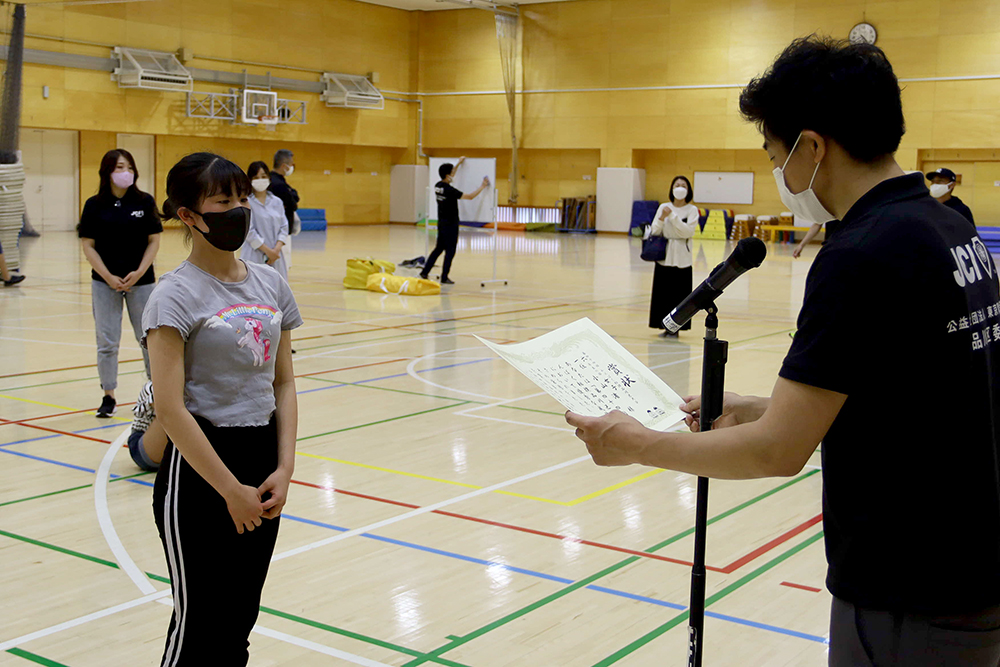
(227, 230)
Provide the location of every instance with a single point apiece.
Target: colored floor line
(35, 658)
(49, 437)
(811, 589)
(267, 610)
(435, 551)
(375, 423)
(67, 368)
(59, 432)
(680, 618)
(73, 488)
(726, 570)
(599, 575)
(52, 384)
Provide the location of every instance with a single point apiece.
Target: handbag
(358, 271)
(654, 249)
(386, 283)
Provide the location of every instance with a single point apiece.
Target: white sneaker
(142, 411)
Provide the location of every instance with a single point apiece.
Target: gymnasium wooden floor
(442, 513)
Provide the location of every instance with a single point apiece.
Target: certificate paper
(591, 374)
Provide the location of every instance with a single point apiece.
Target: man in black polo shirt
(895, 368)
(943, 182)
(284, 166)
(447, 204)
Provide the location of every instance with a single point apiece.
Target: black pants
(216, 574)
(670, 286)
(870, 638)
(447, 243)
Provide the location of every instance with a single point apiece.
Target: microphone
(749, 254)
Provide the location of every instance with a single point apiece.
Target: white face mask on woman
(260, 184)
(680, 193)
(805, 204)
(939, 190)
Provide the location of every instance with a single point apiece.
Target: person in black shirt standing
(284, 166)
(448, 223)
(120, 232)
(943, 182)
(902, 305)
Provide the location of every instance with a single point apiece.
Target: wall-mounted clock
(863, 33)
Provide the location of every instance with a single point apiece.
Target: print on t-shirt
(253, 333)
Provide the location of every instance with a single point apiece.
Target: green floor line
(464, 639)
(37, 659)
(683, 616)
(384, 421)
(73, 488)
(266, 610)
(50, 384)
(603, 573)
(395, 391)
(417, 393)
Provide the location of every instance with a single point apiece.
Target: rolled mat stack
(11, 211)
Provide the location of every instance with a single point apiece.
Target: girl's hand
(277, 486)
(245, 508)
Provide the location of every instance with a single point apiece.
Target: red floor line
(497, 524)
(763, 549)
(351, 368)
(801, 587)
(61, 414)
(56, 370)
(52, 430)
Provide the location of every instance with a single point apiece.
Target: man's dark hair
(445, 170)
(846, 92)
(282, 156)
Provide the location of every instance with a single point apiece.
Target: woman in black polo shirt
(120, 231)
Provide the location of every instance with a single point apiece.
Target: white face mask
(291, 170)
(680, 193)
(805, 204)
(939, 190)
(260, 184)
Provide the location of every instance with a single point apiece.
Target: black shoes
(447, 281)
(14, 280)
(108, 408)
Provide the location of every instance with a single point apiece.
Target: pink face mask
(123, 179)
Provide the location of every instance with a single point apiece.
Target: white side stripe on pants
(176, 558)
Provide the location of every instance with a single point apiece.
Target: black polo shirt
(902, 314)
(121, 229)
(959, 206)
(287, 194)
(447, 201)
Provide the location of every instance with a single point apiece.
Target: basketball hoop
(267, 120)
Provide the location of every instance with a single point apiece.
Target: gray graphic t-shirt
(231, 333)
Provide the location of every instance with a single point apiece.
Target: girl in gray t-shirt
(218, 331)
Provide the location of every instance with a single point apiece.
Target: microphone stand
(713, 380)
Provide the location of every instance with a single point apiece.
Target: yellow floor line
(53, 405)
(389, 470)
(614, 487)
(550, 501)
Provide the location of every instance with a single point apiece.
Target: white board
(468, 179)
(723, 187)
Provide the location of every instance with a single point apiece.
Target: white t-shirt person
(677, 224)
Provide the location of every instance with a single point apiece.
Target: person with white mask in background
(268, 223)
(120, 234)
(676, 221)
(901, 303)
(943, 182)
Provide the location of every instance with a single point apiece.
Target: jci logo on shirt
(138, 214)
(968, 259)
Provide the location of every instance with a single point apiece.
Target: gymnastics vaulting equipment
(11, 168)
(507, 26)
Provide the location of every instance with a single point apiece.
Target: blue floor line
(57, 435)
